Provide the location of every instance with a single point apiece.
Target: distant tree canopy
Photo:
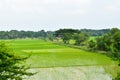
(67, 34)
(92, 32)
(61, 32)
(13, 34)
(80, 37)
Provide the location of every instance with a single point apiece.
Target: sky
(52, 15)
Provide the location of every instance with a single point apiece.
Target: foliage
(79, 38)
(10, 68)
(50, 35)
(118, 77)
(116, 45)
(110, 41)
(61, 32)
(65, 34)
(95, 32)
(103, 43)
(66, 38)
(92, 44)
(13, 34)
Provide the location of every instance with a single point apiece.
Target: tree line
(95, 32)
(9, 70)
(13, 34)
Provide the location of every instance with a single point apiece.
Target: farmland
(46, 54)
(57, 60)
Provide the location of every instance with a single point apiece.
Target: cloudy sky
(54, 14)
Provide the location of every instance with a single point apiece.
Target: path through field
(70, 73)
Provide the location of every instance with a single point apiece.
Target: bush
(10, 67)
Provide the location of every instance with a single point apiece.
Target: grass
(46, 54)
(70, 73)
(57, 62)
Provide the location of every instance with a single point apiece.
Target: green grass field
(46, 54)
(56, 62)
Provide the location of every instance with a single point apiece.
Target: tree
(104, 42)
(66, 38)
(10, 68)
(62, 31)
(50, 35)
(95, 32)
(110, 42)
(116, 46)
(115, 50)
(118, 77)
(65, 34)
(116, 40)
(92, 44)
(113, 31)
(79, 38)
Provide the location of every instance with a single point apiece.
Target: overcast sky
(54, 14)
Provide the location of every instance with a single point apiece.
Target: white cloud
(47, 6)
(59, 13)
(114, 6)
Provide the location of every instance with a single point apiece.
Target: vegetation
(68, 34)
(118, 77)
(95, 32)
(47, 54)
(9, 65)
(110, 43)
(92, 45)
(80, 38)
(13, 34)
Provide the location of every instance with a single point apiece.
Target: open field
(46, 54)
(56, 62)
(71, 73)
